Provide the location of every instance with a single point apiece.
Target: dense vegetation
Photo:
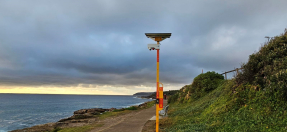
(168, 93)
(255, 100)
(202, 84)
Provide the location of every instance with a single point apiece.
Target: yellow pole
(157, 86)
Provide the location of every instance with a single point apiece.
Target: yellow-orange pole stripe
(157, 86)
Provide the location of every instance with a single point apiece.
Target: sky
(100, 47)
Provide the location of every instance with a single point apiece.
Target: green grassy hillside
(255, 100)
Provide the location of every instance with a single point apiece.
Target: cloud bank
(102, 43)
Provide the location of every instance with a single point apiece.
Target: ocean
(19, 111)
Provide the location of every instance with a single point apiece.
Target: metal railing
(237, 70)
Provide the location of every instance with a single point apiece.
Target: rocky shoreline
(79, 118)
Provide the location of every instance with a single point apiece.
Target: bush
(207, 82)
(173, 98)
(204, 83)
(268, 68)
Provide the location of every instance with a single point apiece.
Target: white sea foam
(138, 103)
(10, 121)
(138, 97)
(22, 124)
(124, 106)
(132, 105)
(3, 131)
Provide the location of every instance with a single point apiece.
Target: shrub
(204, 83)
(173, 98)
(56, 129)
(268, 68)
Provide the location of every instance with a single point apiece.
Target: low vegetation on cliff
(255, 100)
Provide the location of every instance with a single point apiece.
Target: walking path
(132, 122)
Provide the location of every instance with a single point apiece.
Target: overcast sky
(100, 47)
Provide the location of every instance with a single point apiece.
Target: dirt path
(132, 122)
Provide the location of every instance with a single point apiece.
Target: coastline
(86, 117)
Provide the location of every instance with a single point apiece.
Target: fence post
(236, 71)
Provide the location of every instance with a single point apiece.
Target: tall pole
(158, 37)
(157, 86)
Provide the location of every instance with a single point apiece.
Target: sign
(160, 92)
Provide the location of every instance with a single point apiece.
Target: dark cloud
(66, 43)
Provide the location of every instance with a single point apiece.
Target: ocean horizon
(18, 111)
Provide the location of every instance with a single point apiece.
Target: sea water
(19, 111)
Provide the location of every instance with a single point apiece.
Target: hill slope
(254, 101)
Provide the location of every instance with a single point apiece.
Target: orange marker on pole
(160, 90)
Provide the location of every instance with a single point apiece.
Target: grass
(124, 111)
(80, 129)
(132, 108)
(111, 114)
(221, 110)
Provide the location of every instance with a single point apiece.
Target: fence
(237, 70)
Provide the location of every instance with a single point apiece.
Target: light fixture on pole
(267, 38)
(159, 90)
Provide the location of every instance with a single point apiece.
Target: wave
(137, 97)
(139, 103)
(136, 104)
(10, 121)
